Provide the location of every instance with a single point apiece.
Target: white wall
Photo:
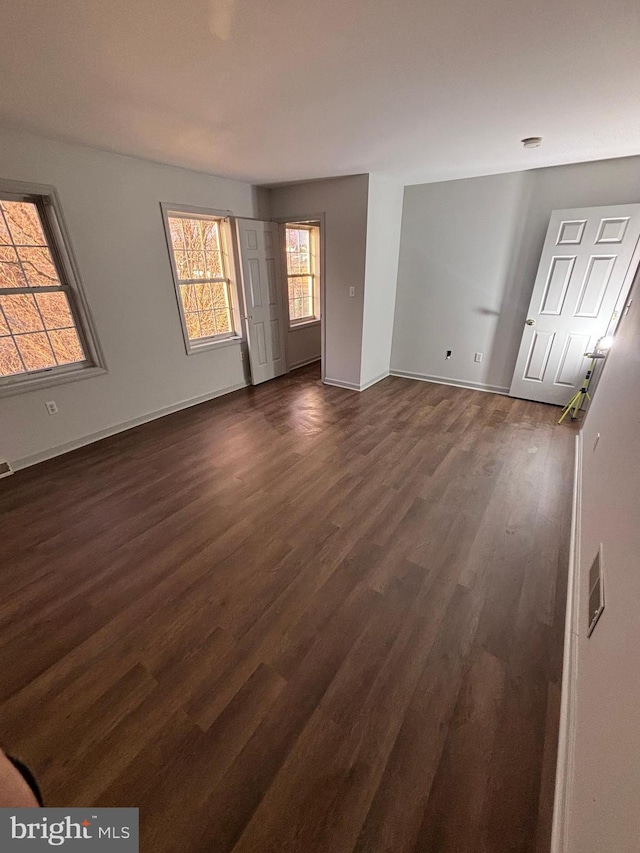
(469, 254)
(344, 204)
(603, 810)
(384, 218)
(111, 205)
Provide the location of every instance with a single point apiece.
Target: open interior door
(585, 270)
(263, 298)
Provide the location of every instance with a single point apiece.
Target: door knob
(531, 322)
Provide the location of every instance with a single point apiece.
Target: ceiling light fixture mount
(532, 141)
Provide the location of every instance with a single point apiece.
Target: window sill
(304, 324)
(194, 349)
(36, 382)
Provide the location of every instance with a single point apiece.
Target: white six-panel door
(263, 298)
(585, 264)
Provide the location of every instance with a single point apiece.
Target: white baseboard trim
(50, 453)
(365, 385)
(353, 386)
(304, 363)
(338, 383)
(443, 380)
(567, 732)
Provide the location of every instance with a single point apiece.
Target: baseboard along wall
(82, 441)
(567, 730)
(444, 380)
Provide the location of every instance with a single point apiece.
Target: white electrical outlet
(51, 407)
(478, 357)
(352, 291)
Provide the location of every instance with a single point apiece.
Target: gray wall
(604, 777)
(469, 253)
(344, 203)
(304, 345)
(111, 205)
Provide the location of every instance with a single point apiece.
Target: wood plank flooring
(297, 618)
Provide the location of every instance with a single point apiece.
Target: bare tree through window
(203, 283)
(301, 251)
(37, 327)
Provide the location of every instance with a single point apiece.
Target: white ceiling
(275, 90)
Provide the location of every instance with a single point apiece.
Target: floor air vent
(5, 468)
(596, 591)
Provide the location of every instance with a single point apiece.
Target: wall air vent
(596, 591)
(5, 468)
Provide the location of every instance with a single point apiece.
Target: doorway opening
(303, 275)
(281, 267)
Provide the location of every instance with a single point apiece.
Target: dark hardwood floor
(297, 618)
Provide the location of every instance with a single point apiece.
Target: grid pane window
(37, 326)
(203, 285)
(301, 273)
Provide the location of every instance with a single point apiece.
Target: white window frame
(314, 257)
(45, 197)
(223, 217)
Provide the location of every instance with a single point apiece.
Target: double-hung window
(302, 251)
(45, 335)
(201, 270)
